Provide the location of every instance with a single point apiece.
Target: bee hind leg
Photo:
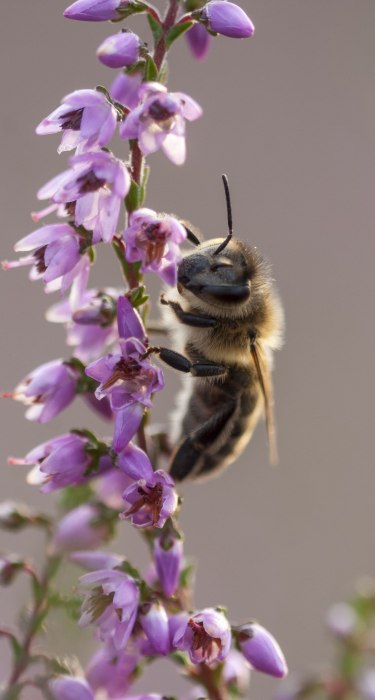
(197, 454)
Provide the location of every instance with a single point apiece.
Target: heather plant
(100, 199)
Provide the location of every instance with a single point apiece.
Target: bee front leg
(188, 318)
(174, 359)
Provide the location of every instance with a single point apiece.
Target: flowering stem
(39, 612)
(169, 20)
(204, 675)
(136, 163)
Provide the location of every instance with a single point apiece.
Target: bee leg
(183, 364)
(187, 318)
(192, 457)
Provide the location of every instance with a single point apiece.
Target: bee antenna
(229, 216)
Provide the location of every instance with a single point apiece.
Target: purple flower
(94, 188)
(198, 40)
(119, 50)
(154, 621)
(111, 671)
(126, 378)
(168, 554)
(110, 488)
(63, 461)
(125, 88)
(70, 688)
(92, 561)
(154, 240)
(206, 636)
(261, 650)
(159, 121)
(152, 498)
(342, 620)
(81, 528)
(367, 684)
(86, 118)
(227, 19)
(90, 321)
(112, 605)
(47, 390)
(54, 253)
(96, 10)
(236, 672)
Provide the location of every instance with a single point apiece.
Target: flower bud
(93, 561)
(168, 552)
(227, 19)
(81, 528)
(94, 11)
(198, 41)
(119, 50)
(236, 672)
(15, 516)
(68, 687)
(367, 685)
(154, 621)
(261, 650)
(10, 566)
(341, 620)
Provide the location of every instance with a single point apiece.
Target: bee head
(221, 272)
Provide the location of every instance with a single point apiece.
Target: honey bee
(227, 319)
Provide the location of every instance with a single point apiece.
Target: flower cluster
(99, 198)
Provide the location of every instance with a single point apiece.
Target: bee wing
(265, 381)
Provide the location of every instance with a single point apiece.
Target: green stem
(39, 610)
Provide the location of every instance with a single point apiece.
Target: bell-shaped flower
(151, 498)
(236, 672)
(119, 50)
(154, 621)
(205, 635)
(111, 671)
(94, 188)
(154, 240)
(66, 460)
(86, 117)
(96, 10)
(159, 121)
(54, 253)
(226, 18)
(95, 560)
(47, 390)
(198, 40)
(127, 378)
(111, 605)
(69, 688)
(168, 555)
(81, 528)
(125, 88)
(366, 684)
(261, 650)
(90, 321)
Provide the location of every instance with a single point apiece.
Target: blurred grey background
(290, 116)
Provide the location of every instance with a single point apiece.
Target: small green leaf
(138, 296)
(180, 658)
(156, 28)
(151, 71)
(16, 648)
(129, 569)
(186, 575)
(37, 589)
(73, 496)
(176, 32)
(133, 197)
